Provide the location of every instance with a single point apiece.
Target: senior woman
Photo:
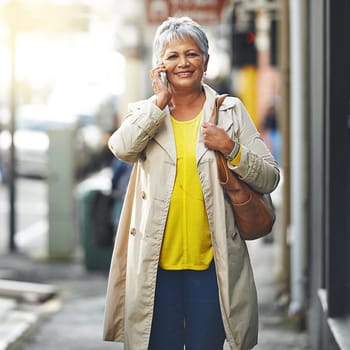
(180, 274)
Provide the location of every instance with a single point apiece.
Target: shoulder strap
(219, 99)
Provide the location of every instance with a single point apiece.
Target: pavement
(72, 319)
(70, 316)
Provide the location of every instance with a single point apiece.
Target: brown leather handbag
(254, 215)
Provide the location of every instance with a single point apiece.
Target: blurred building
(313, 60)
(312, 55)
(327, 104)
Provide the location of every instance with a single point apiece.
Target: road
(31, 212)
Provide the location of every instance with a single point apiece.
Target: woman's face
(185, 63)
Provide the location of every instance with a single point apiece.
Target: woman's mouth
(184, 74)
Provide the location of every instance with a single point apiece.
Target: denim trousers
(187, 311)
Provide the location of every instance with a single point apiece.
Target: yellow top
(186, 243)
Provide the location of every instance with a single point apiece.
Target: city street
(73, 320)
(72, 71)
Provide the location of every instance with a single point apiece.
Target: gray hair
(179, 28)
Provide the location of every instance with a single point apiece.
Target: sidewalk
(275, 333)
(73, 320)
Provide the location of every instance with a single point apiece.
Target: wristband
(237, 160)
(234, 152)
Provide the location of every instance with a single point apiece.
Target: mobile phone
(164, 78)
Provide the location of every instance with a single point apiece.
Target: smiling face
(185, 64)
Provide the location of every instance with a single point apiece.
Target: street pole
(284, 64)
(12, 167)
(297, 131)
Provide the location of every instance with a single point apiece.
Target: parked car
(31, 139)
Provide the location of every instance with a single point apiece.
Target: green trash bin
(96, 228)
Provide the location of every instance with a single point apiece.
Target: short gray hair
(179, 28)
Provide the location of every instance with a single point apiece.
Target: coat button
(143, 195)
(133, 231)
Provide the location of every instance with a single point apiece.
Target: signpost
(202, 11)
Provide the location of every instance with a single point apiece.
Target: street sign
(201, 11)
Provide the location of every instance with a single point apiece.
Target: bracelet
(234, 152)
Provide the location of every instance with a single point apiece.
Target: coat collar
(165, 134)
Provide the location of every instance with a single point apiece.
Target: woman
(180, 273)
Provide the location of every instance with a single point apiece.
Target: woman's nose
(183, 61)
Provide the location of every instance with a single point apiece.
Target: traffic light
(243, 45)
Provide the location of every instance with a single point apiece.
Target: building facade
(328, 176)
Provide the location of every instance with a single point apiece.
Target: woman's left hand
(216, 138)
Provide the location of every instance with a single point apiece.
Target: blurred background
(68, 70)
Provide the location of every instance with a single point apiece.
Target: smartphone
(164, 78)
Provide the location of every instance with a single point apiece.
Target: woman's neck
(186, 106)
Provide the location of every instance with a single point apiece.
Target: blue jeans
(187, 311)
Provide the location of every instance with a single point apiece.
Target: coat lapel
(165, 137)
(207, 110)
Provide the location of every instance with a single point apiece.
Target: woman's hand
(216, 138)
(160, 87)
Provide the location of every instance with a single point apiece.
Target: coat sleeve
(257, 167)
(138, 128)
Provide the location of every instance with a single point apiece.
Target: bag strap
(219, 99)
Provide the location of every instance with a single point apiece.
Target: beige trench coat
(146, 138)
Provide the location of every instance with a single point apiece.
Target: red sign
(201, 11)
